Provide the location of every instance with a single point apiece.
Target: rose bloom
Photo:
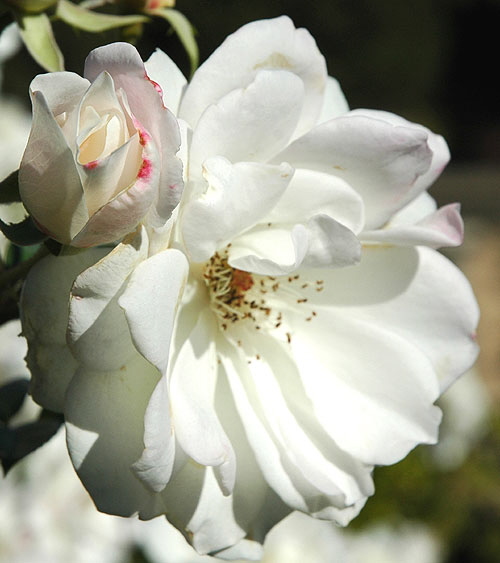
(294, 328)
(101, 153)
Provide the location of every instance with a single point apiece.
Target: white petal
(442, 228)
(331, 245)
(443, 321)
(422, 206)
(182, 495)
(270, 250)
(119, 59)
(183, 154)
(321, 243)
(246, 550)
(192, 387)
(98, 333)
(213, 526)
(301, 474)
(100, 104)
(380, 160)
(13, 348)
(341, 516)
(416, 293)
(122, 214)
(171, 183)
(48, 178)
(436, 143)
(311, 193)
(106, 178)
(44, 315)
(256, 506)
(266, 451)
(300, 538)
(104, 420)
(162, 70)
(123, 63)
(307, 226)
(63, 92)
(249, 124)
(334, 102)
(150, 302)
(197, 507)
(238, 195)
(335, 475)
(372, 390)
(276, 45)
(155, 465)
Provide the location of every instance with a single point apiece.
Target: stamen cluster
(237, 295)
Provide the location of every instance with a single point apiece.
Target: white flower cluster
(276, 321)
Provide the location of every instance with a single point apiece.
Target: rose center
(262, 301)
(106, 136)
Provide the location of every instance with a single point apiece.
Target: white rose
(101, 153)
(316, 325)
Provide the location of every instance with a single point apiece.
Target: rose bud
(101, 152)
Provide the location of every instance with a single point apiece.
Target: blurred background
(432, 62)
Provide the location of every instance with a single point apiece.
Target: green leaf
(31, 6)
(39, 39)
(184, 30)
(17, 254)
(9, 188)
(12, 396)
(94, 22)
(24, 233)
